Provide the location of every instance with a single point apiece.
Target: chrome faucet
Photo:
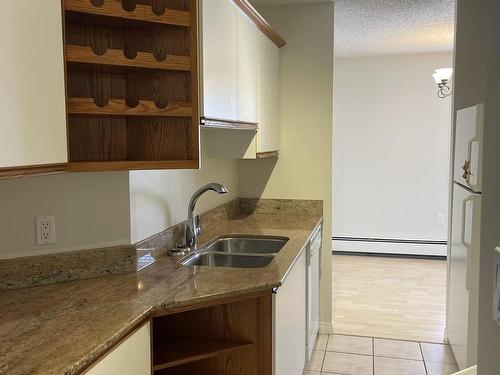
(193, 228)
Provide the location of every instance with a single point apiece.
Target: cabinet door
(246, 68)
(269, 96)
(219, 59)
(131, 357)
(290, 321)
(32, 98)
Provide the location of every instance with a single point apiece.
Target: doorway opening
(391, 176)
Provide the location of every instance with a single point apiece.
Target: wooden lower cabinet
(131, 357)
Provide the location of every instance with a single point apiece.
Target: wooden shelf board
(175, 351)
(102, 166)
(116, 57)
(114, 8)
(118, 107)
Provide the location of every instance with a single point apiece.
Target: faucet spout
(193, 228)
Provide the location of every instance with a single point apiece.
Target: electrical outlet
(45, 230)
(440, 219)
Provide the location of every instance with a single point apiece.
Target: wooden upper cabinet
(246, 68)
(32, 97)
(219, 18)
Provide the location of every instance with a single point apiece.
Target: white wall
(159, 199)
(391, 147)
(303, 170)
(91, 210)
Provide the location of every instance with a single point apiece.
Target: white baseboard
(326, 328)
(422, 249)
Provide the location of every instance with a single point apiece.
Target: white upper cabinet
(269, 133)
(219, 18)
(32, 97)
(246, 68)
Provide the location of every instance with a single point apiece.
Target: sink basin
(236, 251)
(214, 259)
(247, 245)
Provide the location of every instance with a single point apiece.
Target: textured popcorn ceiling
(379, 27)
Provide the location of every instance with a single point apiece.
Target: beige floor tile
(348, 364)
(441, 368)
(395, 366)
(437, 353)
(311, 373)
(321, 341)
(350, 344)
(397, 349)
(316, 361)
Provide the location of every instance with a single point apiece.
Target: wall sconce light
(442, 78)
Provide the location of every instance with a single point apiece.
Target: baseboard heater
(389, 246)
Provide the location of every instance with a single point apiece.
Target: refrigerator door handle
(464, 242)
(468, 163)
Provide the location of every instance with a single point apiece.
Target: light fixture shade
(443, 74)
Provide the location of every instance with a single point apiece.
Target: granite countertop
(62, 328)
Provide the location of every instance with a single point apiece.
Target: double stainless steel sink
(236, 251)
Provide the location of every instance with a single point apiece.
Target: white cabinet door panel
(269, 95)
(32, 93)
(219, 59)
(131, 357)
(246, 68)
(290, 321)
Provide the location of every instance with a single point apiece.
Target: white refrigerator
(463, 264)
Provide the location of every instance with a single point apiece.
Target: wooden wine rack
(132, 84)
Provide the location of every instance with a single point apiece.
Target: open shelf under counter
(115, 57)
(114, 8)
(176, 351)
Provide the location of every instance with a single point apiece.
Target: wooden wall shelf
(115, 57)
(118, 107)
(114, 8)
(132, 84)
(176, 351)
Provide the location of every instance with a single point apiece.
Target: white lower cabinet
(289, 322)
(131, 357)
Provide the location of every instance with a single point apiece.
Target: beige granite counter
(61, 328)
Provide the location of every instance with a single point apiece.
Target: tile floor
(357, 355)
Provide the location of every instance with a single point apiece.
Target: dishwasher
(313, 276)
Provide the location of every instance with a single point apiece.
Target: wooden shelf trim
(118, 107)
(260, 22)
(268, 154)
(115, 57)
(175, 351)
(225, 124)
(114, 8)
(103, 166)
(32, 170)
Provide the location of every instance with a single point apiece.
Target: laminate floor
(395, 298)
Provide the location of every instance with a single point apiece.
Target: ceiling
(382, 27)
